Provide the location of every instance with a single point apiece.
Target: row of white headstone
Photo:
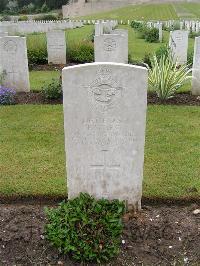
(110, 45)
(178, 43)
(14, 60)
(26, 27)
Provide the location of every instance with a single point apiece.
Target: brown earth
(179, 99)
(159, 235)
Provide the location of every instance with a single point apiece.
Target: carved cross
(104, 167)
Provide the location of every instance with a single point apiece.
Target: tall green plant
(166, 77)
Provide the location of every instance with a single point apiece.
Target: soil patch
(178, 99)
(159, 235)
(49, 67)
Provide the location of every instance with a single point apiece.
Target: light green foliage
(86, 228)
(166, 77)
(32, 138)
(40, 78)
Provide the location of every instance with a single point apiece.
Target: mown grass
(38, 79)
(32, 159)
(140, 12)
(192, 10)
(72, 35)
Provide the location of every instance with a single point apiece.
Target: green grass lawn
(151, 12)
(32, 159)
(72, 35)
(140, 12)
(189, 10)
(38, 79)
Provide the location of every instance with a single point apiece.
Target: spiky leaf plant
(166, 77)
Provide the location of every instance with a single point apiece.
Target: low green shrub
(87, 229)
(152, 35)
(23, 18)
(193, 35)
(135, 24)
(82, 52)
(46, 17)
(53, 90)
(37, 56)
(144, 32)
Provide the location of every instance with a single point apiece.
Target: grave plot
(110, 129)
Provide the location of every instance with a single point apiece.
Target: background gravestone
(13, 59)
(56, 47)
(196, 68)
(111, 48)
(104, 116)
(178, 43)
(3, 34)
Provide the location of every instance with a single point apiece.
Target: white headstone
(98, 29)
(178, 43)
(196, 68)
(160, 31)
(13, 59)
(3, 34)
(56, 47)
(111, 48)
(104, 117)
(181, 25)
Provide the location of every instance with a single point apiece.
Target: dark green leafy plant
(135, 24)
(152, 35)
(82, 52)
(53, 90)
(37, 56)
(87, 229)
(190, 58)
(193, 35)
(46, 17)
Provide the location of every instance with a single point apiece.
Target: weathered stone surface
(178, 43)
(111, 48)
(3, 34)
(13, 59)
(98, 29)
(104, 116)
(196, 68)
(56, 47)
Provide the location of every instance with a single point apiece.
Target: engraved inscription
(104, 133)
(10, 46)
(102, 173)
(104, 92)
(109, 44)
(12, 75)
